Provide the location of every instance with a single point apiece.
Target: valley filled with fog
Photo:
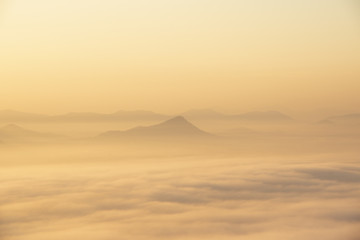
(180, 177)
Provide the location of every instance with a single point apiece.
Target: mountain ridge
(176, 127)
(144, 116)
(15, 133)
(352, 118)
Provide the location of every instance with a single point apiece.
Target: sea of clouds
(182, 198)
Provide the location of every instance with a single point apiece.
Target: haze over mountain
(204, 114)
(230, 148)
(142, 116)
(139, 116)
(255, 116)
(258, 116)
(352, 119)
(122, 115)
(13, 133)
(177, 127)
(17, 116)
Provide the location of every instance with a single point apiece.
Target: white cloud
(182, 199)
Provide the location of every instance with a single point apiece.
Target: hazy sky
(299, 56)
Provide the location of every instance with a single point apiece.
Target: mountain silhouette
(14, 129)
(136, 116)
(14, 116)
(345, 119)
(325, 122)
(15, 133)
(204, 114)
(177, 127)
(255, 117)
(267, 116)
(143, 116)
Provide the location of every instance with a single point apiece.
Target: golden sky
(299, 56)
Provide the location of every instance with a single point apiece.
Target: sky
(301, 57)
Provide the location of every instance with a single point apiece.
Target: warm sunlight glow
(179, 120)
(169, 56)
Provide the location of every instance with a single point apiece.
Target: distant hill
(143, 116)
(255, 117)
(174, 128)
(343, 119)
(140, 115)
(326, 122)
(135, 116)
(204, 114)
(268, 116)
(14, 133)
(16, 116)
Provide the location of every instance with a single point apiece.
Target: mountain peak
(175, 127)
(177, 120)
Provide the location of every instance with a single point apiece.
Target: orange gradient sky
(300, 56)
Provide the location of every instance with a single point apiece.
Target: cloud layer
(182, 199)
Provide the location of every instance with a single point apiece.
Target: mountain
(255, 117)
(140, 115)
(79, 117)
(136, 116)
(16, 116)
(268, 116)
(15, 133)
(204, 114)
(143, 116)
(325, 122)
(351, 119)
(177, 127)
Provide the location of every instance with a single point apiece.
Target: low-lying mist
(177, 180)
